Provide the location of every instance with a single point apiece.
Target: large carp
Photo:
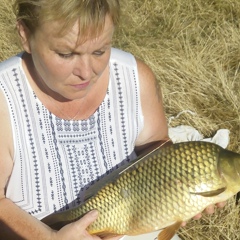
(159, 190)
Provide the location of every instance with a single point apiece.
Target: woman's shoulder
(123, 57)
(119, 56)
(10, 62)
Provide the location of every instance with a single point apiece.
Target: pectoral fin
(210, 193)
(168, 232)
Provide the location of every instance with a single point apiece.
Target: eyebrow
(68, 46)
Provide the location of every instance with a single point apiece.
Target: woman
(73, 109)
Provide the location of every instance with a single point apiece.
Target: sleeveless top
(56, 159)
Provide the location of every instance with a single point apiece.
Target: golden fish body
(163, 188)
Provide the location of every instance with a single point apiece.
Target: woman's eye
(65, 55)
(98, 53)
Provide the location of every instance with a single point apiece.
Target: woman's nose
(83, 67)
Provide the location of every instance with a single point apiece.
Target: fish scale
(159, 190)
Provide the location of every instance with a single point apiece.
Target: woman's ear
(24, 34)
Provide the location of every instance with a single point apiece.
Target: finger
(198, 216)
(117, 238)
(77, 230)
(94, 237)
(209, 209)
(87, 219)
(113, 238)
(221, 204)
(183, 224)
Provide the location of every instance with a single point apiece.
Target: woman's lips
(81, 86)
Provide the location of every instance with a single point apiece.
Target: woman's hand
(77, 230)
(210, 209)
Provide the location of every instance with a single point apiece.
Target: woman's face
(67, 66)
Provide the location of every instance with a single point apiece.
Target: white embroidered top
(56, 159)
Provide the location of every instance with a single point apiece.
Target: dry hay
(193, 48)
(222, 225)
(9, 43)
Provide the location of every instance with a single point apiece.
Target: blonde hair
(90, 13)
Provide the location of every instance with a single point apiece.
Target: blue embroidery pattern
(32, 145)
(56, 159)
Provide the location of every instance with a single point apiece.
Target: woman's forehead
(73, 37)
(55, 29)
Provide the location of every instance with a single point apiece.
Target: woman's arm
(17, 224)
(155, 125)
(155, 131)
(14, 222)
